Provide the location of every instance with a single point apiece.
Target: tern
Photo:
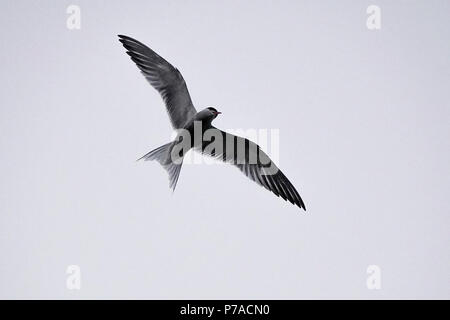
(238, 151)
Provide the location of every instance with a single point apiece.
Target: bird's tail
(162, 155)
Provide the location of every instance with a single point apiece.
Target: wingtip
(302, 206)
(124, 39)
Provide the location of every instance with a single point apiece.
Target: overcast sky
(363, 119)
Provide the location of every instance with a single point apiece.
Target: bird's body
(195, 129)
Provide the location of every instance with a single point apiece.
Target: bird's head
(208, 114)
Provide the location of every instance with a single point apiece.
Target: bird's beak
(218, 112)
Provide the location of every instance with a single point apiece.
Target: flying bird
(238, 151)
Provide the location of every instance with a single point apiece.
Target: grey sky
(364, 126)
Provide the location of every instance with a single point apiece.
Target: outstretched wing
(252, 161)
(165, 78)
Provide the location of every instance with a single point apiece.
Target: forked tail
(162, 155)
